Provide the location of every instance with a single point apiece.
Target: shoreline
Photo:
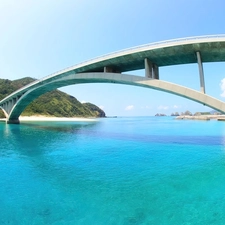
(84, 119)
(54, 119)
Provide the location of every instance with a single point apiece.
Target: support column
(148, 68)
(7, 107)
(155, 71)
(201, 73)
(108, 69)
(10, 105)
(14, 100)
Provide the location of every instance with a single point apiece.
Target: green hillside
(54, 103)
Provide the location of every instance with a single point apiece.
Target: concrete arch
(71, 78)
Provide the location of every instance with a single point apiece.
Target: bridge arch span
(102, 77)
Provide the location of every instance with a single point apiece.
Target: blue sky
(41, 37)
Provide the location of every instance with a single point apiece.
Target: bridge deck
(182, 51)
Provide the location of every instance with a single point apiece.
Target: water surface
(143, 170)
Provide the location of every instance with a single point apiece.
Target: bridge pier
(155, 71)
(6, 107)
(14, 121)
(148, 68)
(108, 69)
(201, 72)
(151, 69)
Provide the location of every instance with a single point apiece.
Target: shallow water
(143, 170)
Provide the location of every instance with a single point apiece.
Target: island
(51, 104)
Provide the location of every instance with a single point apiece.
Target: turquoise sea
(116, 171)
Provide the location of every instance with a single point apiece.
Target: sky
(38, 38)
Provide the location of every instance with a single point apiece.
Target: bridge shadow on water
(40, 145)
(60, 126)
(36, 138)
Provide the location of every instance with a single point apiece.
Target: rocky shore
(202, 117)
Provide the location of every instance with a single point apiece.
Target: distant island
(160, 114)
(54, 103)
(198, 115)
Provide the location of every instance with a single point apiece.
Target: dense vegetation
(54, 103)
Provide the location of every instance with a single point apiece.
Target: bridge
(110, 68)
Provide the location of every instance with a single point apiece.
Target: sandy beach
(45, 118)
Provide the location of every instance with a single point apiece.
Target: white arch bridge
(110, 68)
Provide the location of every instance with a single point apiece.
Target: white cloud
(175, 106)
(129, 107)
(83, 101)
(146, 107)
(101, 107)
(222, 87)
(163, 107)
